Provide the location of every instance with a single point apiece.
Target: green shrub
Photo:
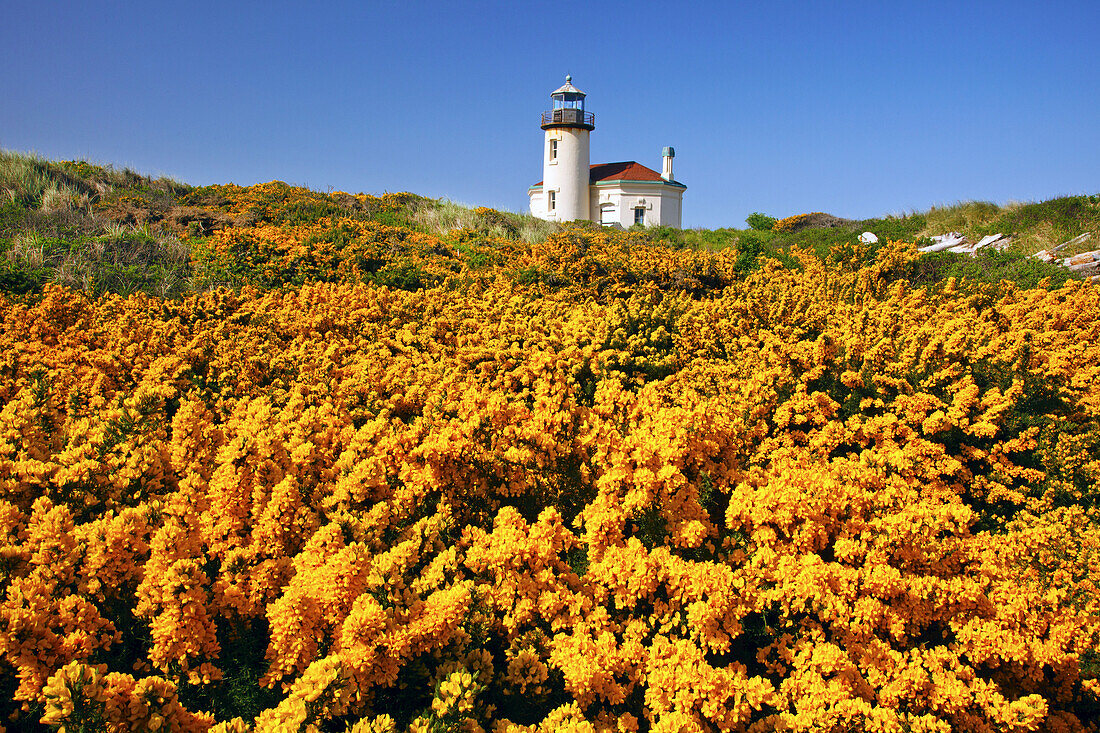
(749, 249)
(307, 212)
(760, 222)
(404, 276)
(529, 275)
(895, 228)
(989, 266)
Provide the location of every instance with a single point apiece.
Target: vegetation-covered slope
(392, 480)
(100, 230)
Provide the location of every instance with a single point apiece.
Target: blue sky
(855, 108)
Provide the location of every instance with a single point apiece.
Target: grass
(24, 179)
(130, 261)
(32, 182)
(960, 217)
(443, 217)
(53, 228)
(1033, 226)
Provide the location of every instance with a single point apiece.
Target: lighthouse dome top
(567, 88)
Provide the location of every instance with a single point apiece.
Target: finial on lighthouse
(568, 79)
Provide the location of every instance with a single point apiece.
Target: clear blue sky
(855, 108)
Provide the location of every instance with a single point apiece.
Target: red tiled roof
(627, 170)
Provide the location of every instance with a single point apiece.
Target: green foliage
(20, 282)
(711, 239)
(989, 265)
(307, 212)
(274, 207)
(239, 693)
(134, 261)
(760, 222)
(529, 275)
(13, 218)
(480, 252)
(894, 228)
(1072, 212)
(820, 240)
(749, 249)
(100, 178)
(212, 197)
(391, 218)
(962, 217)
(651, 527)
(1066, 217)
(404, 276)
(444, 218)
(26, 179)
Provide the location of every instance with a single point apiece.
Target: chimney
(666, 168)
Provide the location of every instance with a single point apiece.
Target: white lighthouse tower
(565, 167)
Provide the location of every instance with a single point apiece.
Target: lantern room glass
(568, 100)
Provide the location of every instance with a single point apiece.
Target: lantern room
(568, 109)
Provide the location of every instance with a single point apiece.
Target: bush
(989, 266)
(749, 249)
(554, 504)
(760, 222)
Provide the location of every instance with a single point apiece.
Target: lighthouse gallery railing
(568, 116)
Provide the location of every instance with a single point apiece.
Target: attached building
(623, 194)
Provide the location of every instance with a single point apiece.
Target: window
(551, 200)
(639, 215)
(553, 150)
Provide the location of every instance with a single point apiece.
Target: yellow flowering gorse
(595, 500)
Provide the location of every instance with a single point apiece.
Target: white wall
(567, 175)
(662, 203)
(672, 204)
(538, 201)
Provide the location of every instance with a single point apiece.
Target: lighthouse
(622, 194)
(565, 159)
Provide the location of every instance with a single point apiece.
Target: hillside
(279, 460)
(100, 230)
